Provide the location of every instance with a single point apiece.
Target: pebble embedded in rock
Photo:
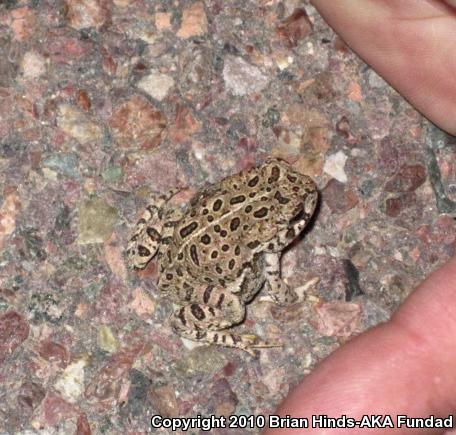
(83, 100)
(202, 359)
(164, 400)
(96, 221)
(295, 28)
(71, 383)
(142, 304)
(82, 14)
(242, 78)
(8, 213)
(33, 65)
(163, 20)
(53, 352)
(194, 21)
(13, 331)
(63, 163)
(31, 394)
(395, 205)
(407, 179)
(78, 125)
(136, 123)
(23, 22)
(157, 85)
(106, 339)
(335, 166)
(339, 197)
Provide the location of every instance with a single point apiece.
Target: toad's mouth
(299, 214)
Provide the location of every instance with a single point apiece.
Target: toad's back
(229, 222)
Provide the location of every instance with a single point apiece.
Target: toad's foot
(245, 342)
(208, 322)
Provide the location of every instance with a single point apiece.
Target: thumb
(403, 367)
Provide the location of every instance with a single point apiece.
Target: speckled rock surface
(102, 102)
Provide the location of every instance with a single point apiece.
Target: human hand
(411, 44)
(405, 366)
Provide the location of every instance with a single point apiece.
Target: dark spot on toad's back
(282, 200)
(186, 231)
(261, 213)
(254, 181)
(217, 205)
(237, 199)
(253, 244)
(194, 255)
(206, 239)
(234, 224)
(275, 174)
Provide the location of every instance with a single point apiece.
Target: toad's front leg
(207, 320)
(277, 288)
(149, 231)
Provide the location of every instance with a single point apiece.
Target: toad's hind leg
(206, 321)
(148, 233)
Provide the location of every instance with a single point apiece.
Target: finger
(405, 366)
(451, 3)
(410, 44)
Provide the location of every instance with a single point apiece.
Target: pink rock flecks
(87, 13)
(339, 197)
(158, 171)
(111, 300)
(164, 400)
(445, 230)
(295, 28)
(242, 78)
(54, 410)
(108, 63)
(185, 125)
(82, 426)
(194, 21)
(338, 318)
(224, 398)
(137, 124)
(83, 100)
(442, 232)
(113, 255)
(30, 396)
(394, 206)
(163, 20)
(142, 304)
(106, 386)
(33, 65)
(13, 332)
(53, 352)
(67, 49)
(354, 92)
(408, 179)
(78, 125)
(23, 22)
(8, 213)
(387, 156)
